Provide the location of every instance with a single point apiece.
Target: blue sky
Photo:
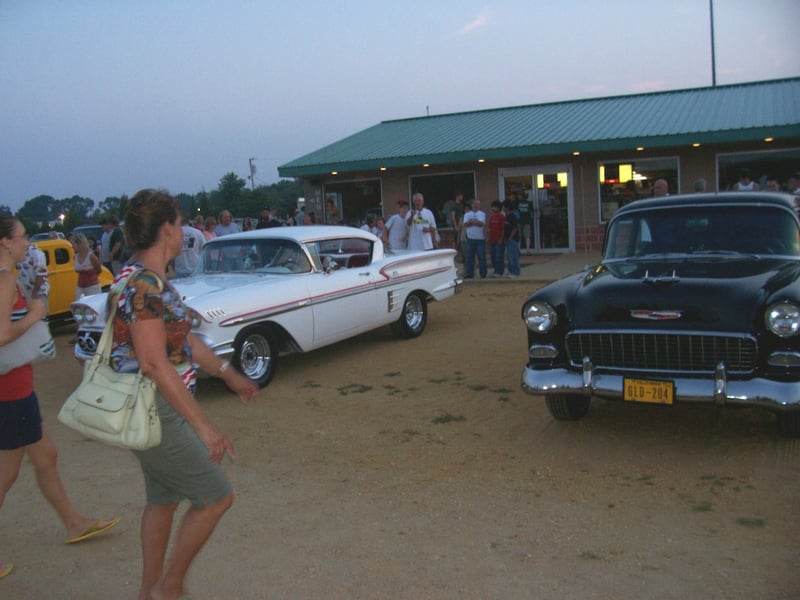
(101, 98)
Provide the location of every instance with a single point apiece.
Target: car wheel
(255, 354)
(567, 407)
(414, 317)
(788, 423)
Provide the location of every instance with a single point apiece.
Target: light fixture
(639, 148)
(696, 145)
(576, 153)
(769, 139)
(334, 172)
(383, 168)
(480, 160)
(426, 165)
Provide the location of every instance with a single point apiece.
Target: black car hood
(686, 293)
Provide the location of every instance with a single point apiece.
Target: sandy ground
(379, 468)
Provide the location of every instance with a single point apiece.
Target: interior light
(562, 179)
(576, 153)
(602, 173)
(696, 145)
(639, 148)
(480, 160)
(769, 139)
(383, 168)
(625, 173)
(334, 172)
(426, 165)
(540, 181)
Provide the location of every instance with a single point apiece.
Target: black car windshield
(275, 256)
(703, 229)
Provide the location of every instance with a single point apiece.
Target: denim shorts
(20, 423)
(179, 467)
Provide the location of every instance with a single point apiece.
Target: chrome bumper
(716, 389)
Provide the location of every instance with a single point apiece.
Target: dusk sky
(101, 98)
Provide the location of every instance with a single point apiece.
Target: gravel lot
(379, 468)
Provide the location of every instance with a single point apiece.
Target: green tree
(37, 209)
(76, 211)
(114, 205)
(230, 192)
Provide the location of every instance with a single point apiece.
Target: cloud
(476, 23)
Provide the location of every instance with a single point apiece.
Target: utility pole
(252, 172)
(713, 52)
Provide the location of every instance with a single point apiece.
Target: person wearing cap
(398, 228)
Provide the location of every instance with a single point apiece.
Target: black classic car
(696, 299)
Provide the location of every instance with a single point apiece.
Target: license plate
(647, 390)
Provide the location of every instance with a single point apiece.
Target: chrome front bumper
(716, 389)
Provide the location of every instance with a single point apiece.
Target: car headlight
(783, 319)
(540, 316)
(195, 318)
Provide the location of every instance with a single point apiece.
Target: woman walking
(152, 334)
(21, 430)
(88, 266)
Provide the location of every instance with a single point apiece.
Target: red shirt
(17, 383)
(497, 225)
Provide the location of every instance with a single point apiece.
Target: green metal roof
(729, 113)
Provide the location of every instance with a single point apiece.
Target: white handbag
(118, 409)
(33, 346)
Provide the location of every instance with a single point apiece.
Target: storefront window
(438, 189)
(349, 202)
(624, 181)
(768, 169)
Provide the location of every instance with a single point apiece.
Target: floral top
(140, 294)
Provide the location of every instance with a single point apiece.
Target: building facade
(568, 165)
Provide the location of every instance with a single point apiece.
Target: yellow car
(63, 277)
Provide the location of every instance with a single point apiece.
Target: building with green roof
(569, 165)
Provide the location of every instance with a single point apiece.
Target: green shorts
(179, 467)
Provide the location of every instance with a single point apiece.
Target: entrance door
(544, 197)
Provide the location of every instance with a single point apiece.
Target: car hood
(681, 293)
(211, 285)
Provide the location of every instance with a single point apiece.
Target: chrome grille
(686, 352)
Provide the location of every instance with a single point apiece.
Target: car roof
(778, 199)
(301, 233)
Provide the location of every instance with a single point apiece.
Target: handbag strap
(104, 344)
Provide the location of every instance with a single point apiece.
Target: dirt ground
(417, 469)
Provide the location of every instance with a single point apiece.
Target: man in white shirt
(422, 225)
(226, 224)
(32, 274)
(187, 260)
(475, 226)
(398, 228)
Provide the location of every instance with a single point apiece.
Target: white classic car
(259, 294)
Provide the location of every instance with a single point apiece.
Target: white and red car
(259, 294)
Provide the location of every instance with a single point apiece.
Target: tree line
(232, 193)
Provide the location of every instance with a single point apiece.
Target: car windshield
(717, 230)
(253, 255)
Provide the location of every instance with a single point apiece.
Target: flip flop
(5, 569)
(94, 529)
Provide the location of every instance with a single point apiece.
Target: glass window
(769, 170)
(441, 189)
(624, 181)
(350, 202)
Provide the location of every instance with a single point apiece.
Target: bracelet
(222, 368)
